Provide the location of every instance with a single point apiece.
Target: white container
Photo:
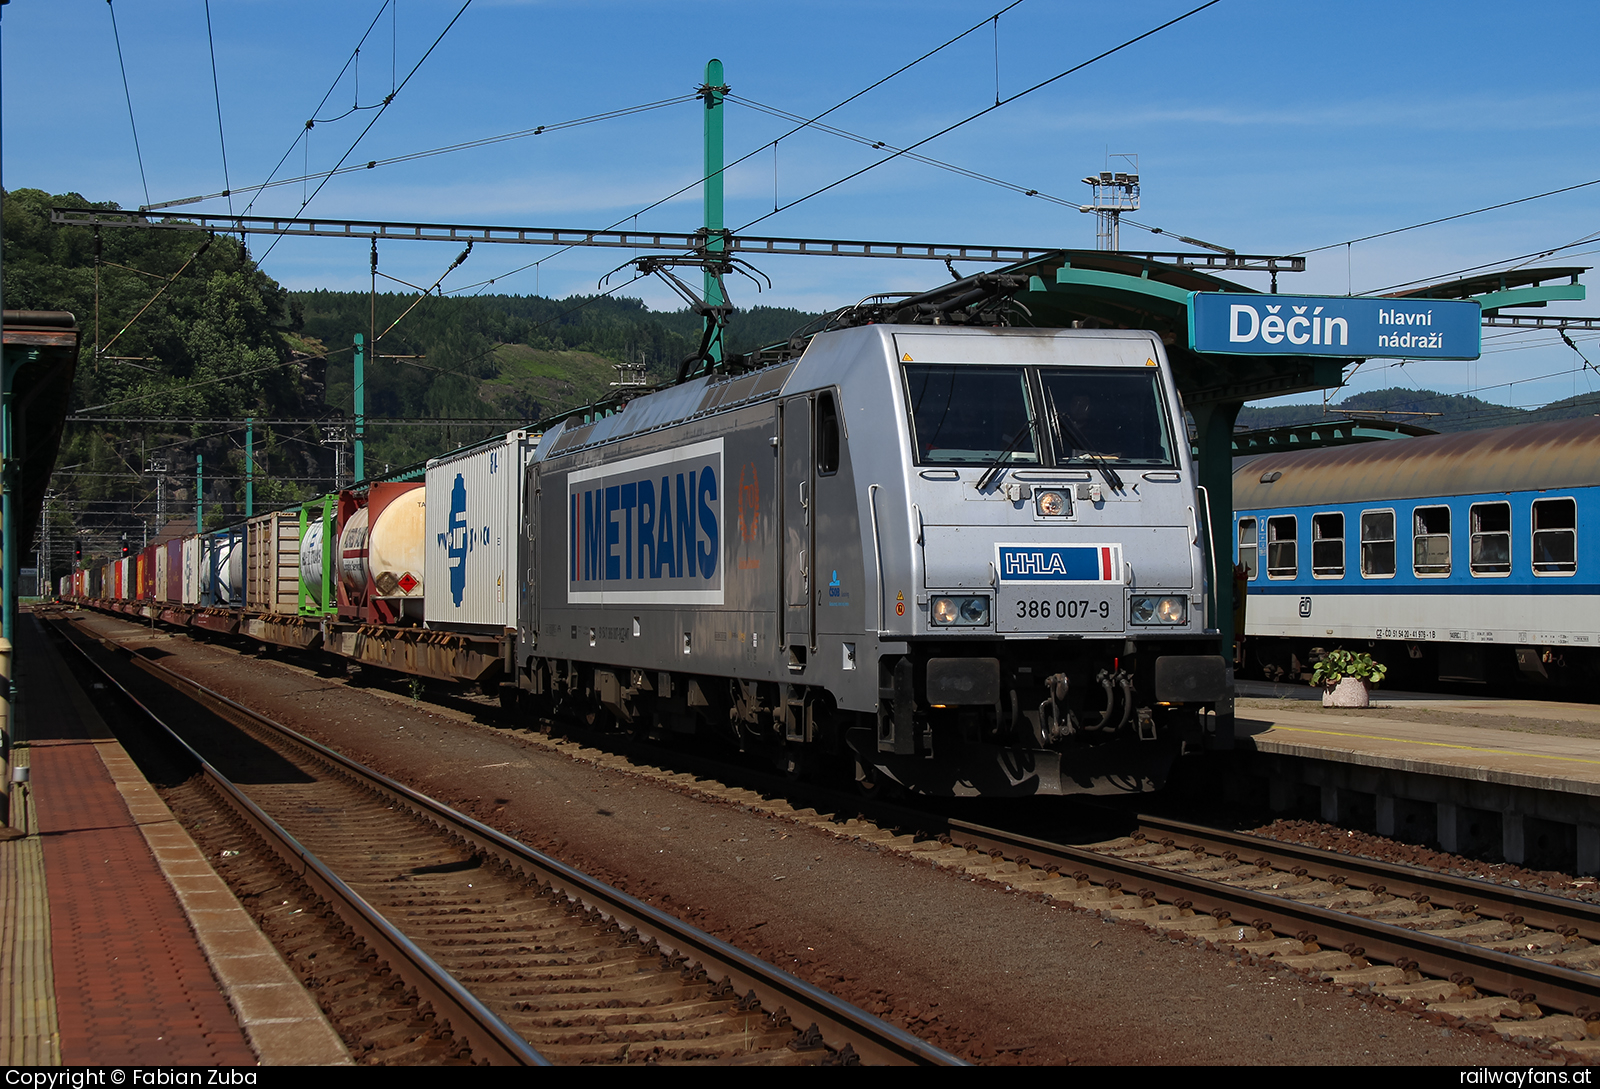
(311, 560)
(191, 571)
(229, 568)
(161, 573)
(474, 534)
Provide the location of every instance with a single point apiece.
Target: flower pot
(1349, 692)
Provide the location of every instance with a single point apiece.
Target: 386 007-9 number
(1061, 609)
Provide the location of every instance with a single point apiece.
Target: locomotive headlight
(1148, 609)
(1051, 503)
(959, 612)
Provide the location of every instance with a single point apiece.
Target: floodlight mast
(1115, 192)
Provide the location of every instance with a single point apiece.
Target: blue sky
(1266, 127)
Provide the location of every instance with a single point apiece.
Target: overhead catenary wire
(1447, 219)
(139, 155)
(987, 179)
(376, 117)
(1536, 255)
(372, 164)
(216, 91)
(772, 143)
(328, 94)
(986, 110)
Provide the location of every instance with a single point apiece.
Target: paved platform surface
(118, 943)
(1412, 736)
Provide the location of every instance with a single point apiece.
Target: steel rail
(489, 1037)
(1537, 909)
(873, 1040)
(1558, 988)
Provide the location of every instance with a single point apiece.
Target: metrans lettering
(648, 529)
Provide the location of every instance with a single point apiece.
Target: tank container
(381, 552)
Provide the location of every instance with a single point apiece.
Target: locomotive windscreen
(985, 414)
(969, 414)
(1113, 415)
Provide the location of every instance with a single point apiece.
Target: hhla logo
(1245, 323)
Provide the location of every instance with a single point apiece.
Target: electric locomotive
(973, 559)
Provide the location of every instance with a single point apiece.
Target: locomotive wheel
(868, 782)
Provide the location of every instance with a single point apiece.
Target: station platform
(1514, 780)
(119, 945)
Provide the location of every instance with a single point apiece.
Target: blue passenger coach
(1466, 557)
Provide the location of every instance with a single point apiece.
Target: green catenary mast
(713, 93)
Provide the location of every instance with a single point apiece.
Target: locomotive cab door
(799, 528)
(525, 561)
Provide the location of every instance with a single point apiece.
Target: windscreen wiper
(999, 461)
(1071, 433)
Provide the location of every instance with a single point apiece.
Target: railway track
(1514, 957)
(521, 959)
(1453, 946)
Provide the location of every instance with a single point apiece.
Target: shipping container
(191, 571)
(222, 567)
(381, 553)
(272, 562)
(319, 573)
(475, 535)
(171, 591)
(159, 557)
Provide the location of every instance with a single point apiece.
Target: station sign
(1334, 325)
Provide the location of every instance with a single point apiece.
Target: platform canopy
(41, 357)
(1093, 289)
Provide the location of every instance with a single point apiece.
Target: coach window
(1281, 560)
(1430, 541)
(1377, 544)
(1247, 547)
(1555, 536)
(827, 436)
(1491, 539)
(1327, 546)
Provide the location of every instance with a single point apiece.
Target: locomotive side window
(1491, 539)
(1377, 544)
(1281, 539)
(1327, 546)
(1247, 547)
(1555, 536)
(827, 436)
(970, 415)
(1430, 541)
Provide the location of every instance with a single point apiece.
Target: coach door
(799, 527)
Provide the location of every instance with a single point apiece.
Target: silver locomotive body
(969, 556)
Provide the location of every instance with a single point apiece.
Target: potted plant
(1346, 678)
